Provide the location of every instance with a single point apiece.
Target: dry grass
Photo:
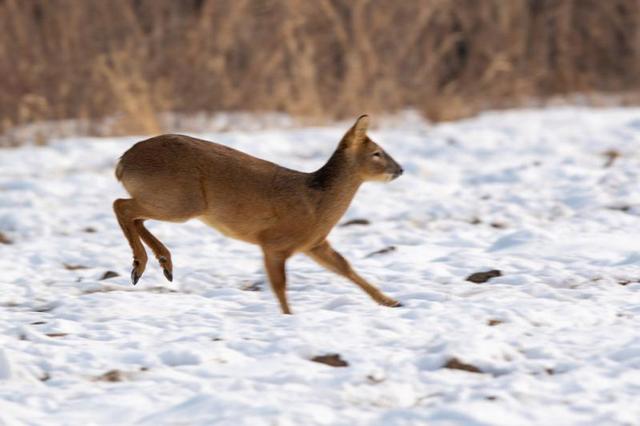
(132, 59)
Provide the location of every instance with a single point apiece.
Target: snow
(556, 337)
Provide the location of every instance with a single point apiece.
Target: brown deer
(175, 178)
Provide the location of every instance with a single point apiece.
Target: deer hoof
(391, 303)
(166, 267)
(135, 275)
(167, 274)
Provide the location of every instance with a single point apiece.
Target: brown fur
(175, 178)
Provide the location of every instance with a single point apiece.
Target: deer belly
(231, 230)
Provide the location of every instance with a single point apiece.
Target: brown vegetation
(456, 364)
(131, 59)
(333, 360)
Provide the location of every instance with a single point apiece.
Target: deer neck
(335, 184)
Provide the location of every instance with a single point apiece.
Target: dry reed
(132, 59)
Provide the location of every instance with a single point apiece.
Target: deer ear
(360, 128)
(358, 132)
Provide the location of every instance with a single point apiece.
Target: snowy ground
(556, 338)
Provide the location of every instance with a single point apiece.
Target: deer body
(176, 178)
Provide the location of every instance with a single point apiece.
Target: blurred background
(121, 66)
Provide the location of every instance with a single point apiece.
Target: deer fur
(175, 178)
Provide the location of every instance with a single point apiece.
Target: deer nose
(398, 172)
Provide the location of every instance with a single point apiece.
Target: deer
(176, 178)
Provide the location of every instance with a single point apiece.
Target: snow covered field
(554, 340)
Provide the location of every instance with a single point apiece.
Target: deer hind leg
(326, 256)
(161, 252)
(274, 263)
(127, 211)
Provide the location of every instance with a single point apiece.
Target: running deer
(176, 178)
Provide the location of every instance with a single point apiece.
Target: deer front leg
(274, 263)
(326, 256)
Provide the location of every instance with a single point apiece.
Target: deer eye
(376, 155)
